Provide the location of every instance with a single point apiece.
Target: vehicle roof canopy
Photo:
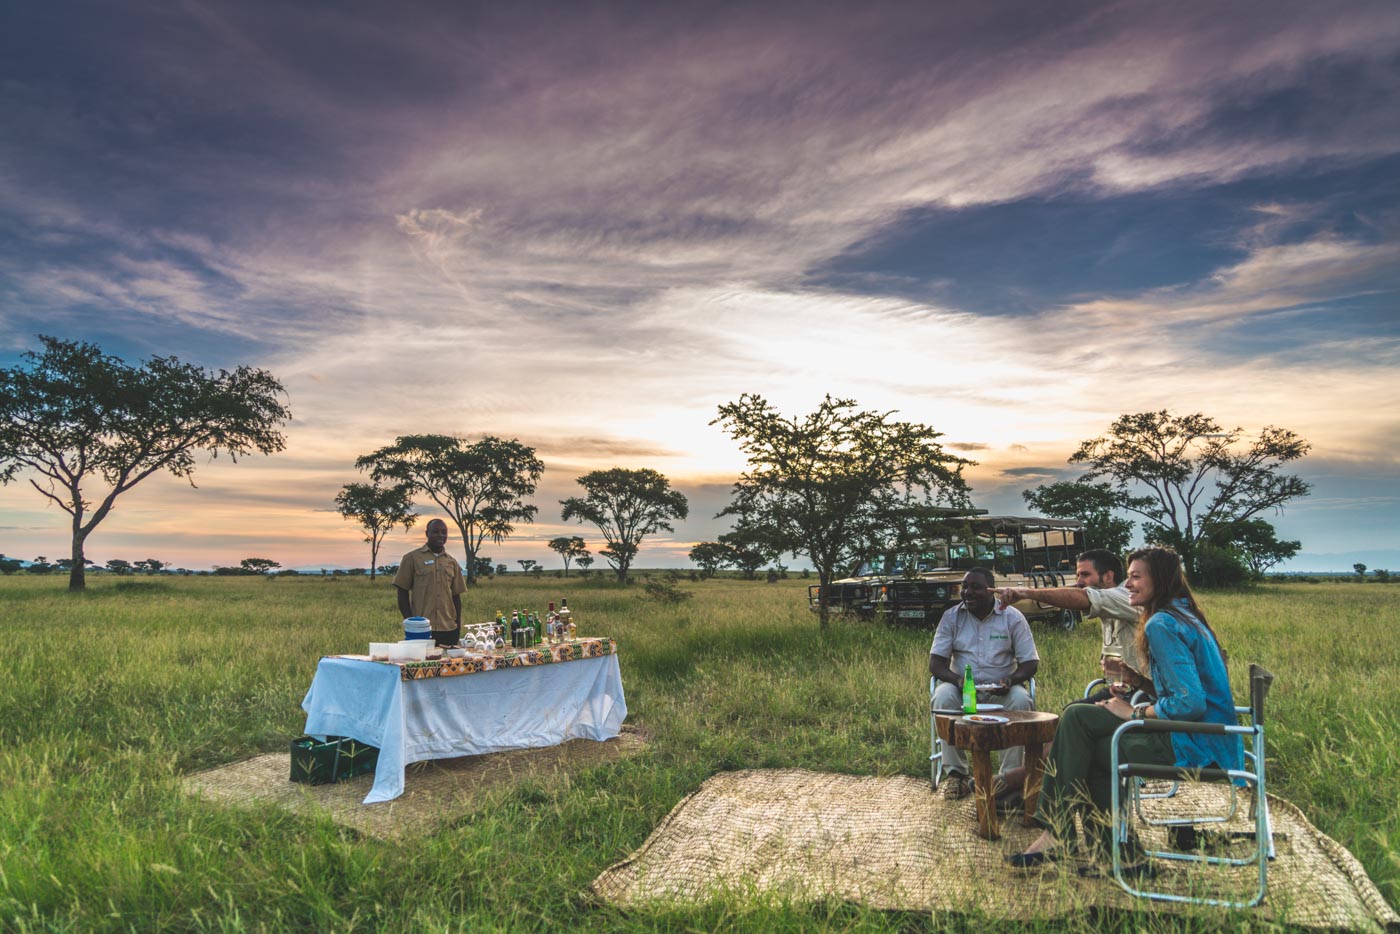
(1025, 523)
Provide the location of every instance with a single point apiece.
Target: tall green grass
(107, 698)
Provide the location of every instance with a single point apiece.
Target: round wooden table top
(1021, 727)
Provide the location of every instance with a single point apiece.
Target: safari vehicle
(1023, 551)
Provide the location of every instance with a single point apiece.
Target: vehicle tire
(1066, 620)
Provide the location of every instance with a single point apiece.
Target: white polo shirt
(994, 646)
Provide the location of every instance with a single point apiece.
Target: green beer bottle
(969, 691)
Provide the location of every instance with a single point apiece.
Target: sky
(587, 225)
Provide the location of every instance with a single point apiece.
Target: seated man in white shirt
(996, 641)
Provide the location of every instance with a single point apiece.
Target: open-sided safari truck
(1023, 551)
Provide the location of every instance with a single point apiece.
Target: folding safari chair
(1129, 778)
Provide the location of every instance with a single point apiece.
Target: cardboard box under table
(439, 709)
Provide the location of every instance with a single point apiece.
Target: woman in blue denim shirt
(1188, 670)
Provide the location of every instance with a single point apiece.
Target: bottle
(969, 691)
(571, 630)
(564, 610)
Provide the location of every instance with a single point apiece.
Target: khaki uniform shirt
(1119, 620)
(431, 580)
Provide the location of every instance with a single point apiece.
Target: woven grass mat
(890, 843)
(433, 791)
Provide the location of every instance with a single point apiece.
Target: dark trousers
(1077, 771)
(448, 636)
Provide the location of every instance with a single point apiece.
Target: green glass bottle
(969, 691)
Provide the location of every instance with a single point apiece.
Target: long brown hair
(1168, 585)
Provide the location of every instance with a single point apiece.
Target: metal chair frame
(1131, 775)
(936, 745)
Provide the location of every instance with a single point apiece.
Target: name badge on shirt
(426, 563)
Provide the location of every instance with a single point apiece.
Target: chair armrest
(1186, 726)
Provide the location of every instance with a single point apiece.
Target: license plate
(911, 614)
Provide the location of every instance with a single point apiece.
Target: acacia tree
(711, 556)
(1182, 474)
(258, 565)
(626, 506)
(482, 486)
(79, 418)
(827, 485)
(377, 509)
(1257, 544)
(569, 547)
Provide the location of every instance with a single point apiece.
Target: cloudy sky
(587, 225)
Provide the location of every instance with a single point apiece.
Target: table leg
(982, 788)
(1035, 772)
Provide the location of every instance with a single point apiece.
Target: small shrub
(665, 591)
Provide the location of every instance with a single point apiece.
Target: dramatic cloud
(587, 227)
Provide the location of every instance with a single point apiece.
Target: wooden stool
(1029, 728)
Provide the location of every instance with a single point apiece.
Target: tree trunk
(823, 601)
(77, 576)
(373, 558)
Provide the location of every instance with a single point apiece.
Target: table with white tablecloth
(411, 717)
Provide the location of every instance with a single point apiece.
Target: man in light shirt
(996, 641)
(1098, 592)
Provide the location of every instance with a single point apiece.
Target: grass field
(107, 698)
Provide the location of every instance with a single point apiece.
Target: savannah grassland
(107, 698)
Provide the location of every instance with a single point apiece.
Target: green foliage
(1255, 542)
(568, 547)
(1360, 570)
(711, 556)
(1090, 503)
(1180, 473)
(378, 509)
(9, 566)
(833, 485)
(1219, 567)
(666, 591)
(258, 565)
(75, 418)
(626, 506)
(482, 486)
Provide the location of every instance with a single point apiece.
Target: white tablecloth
(463, 715)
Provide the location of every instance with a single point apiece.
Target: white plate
(985, 718)
(958, 711)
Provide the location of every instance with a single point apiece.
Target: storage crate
(317, 762)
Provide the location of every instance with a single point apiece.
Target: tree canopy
(75, 418)
(482, 486)
(568, 547)
(1184, 475)
(626, 506)
(830, 484)
(378, 509)
(1090, 503)
(711, 556)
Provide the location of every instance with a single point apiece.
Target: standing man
(430, 584)
(996, 641)
(1098, 591)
